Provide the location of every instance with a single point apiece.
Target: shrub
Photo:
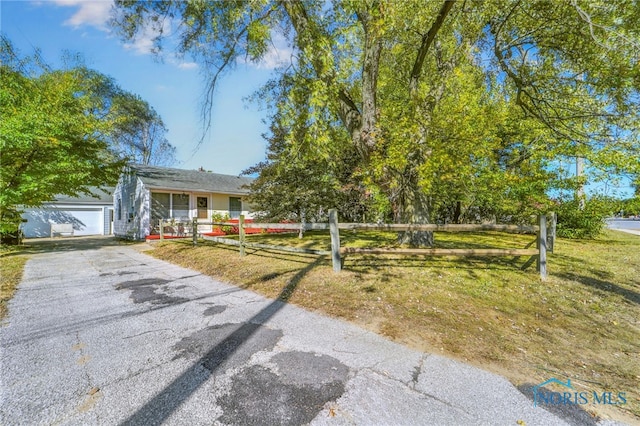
(588, 222)
(10, 232)
(631, 206)
(219, 217)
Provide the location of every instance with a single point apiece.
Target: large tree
(57, 132)
(139, 133)
(380, 72)
(292, 184)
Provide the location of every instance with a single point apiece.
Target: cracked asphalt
(101, 333)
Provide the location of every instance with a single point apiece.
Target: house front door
(203, 207)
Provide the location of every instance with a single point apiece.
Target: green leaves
(52, 135)
(466, 104)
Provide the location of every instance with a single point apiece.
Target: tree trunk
(457, 212)
(414, 206)
(303, 222)
(370, 69)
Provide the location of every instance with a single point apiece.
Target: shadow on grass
(605, 286)
(375, 263)
(163, 404)
(264, 253)
(289, 257)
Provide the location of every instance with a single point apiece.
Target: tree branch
(348, 112)
(427, 41)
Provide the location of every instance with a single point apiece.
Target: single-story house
(85, 214)
(147, 194)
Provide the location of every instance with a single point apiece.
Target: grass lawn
(11, 267)
(582, 323)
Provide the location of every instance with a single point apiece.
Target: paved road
(104, 334)
(630, 226)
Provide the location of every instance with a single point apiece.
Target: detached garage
(85, 215)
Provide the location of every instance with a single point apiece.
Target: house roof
(102, 197)
(190, 180)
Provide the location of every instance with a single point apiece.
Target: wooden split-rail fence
(545, 238)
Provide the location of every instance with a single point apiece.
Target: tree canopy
(58, 132)
(139, 134)
(449, 106)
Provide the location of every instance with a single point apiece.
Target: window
(165, 205)
(160, 205)
(235, 207)
(119, 208)
(180, 206)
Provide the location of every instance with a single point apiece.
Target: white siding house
(88, 215)
(146, 194)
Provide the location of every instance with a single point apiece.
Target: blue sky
(172, 86)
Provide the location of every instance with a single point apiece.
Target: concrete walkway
(104, 334)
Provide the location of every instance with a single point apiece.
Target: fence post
(241, 233)
(161, 229)
(194, 231)
(335, 240)
(551, 238)
(542, 246)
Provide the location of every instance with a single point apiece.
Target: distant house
(87, 215)
(146, 194)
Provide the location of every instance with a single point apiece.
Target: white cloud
(187, 65)
(93, 13)
(96, 13)
(278, 53)
(179, 62)
(275, 57)
(144, 41)
(142, 45)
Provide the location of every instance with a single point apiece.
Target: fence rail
(229, 241)
(442, 252)
(545, 240)
(394, 227)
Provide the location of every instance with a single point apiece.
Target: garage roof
(101, 197)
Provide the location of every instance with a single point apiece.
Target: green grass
(11, 268)
(582, 323)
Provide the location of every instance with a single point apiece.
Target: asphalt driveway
(101, 333)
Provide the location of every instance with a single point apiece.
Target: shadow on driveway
(162, 405)
(47, 245)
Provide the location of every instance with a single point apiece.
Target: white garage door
(85, 221)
